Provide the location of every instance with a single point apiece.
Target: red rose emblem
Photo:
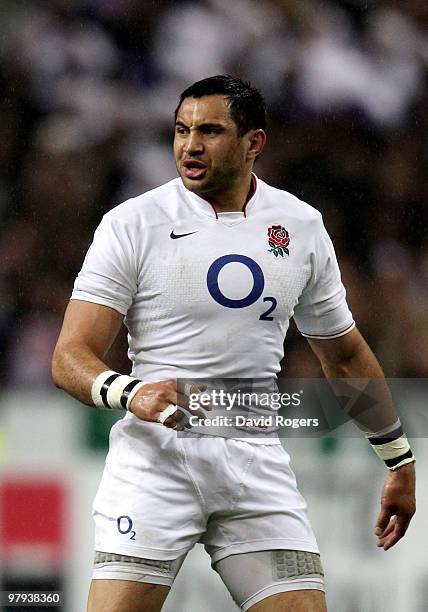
(278, 235)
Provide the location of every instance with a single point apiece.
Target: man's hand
(153, 398)
(398, 505)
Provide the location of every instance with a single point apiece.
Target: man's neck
(233, 200)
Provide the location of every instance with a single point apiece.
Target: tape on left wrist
(392, 446)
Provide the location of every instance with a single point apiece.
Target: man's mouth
(194, 168)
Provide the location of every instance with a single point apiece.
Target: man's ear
(257, 143)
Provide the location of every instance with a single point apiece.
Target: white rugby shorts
(161, 492)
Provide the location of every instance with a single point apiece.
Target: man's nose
(193, 144)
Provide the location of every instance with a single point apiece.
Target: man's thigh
(126, 595)
(296, 601)
(285, 577)
(123, 584)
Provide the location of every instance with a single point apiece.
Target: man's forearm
(360, 386)
(74, 368)
(359, 378)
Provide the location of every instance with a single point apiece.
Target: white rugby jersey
(208, 295)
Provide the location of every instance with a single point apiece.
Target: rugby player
(206, 272)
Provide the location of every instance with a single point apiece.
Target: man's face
(209, 154)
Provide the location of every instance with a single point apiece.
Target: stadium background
(87, 93)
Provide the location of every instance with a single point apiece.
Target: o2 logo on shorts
(255, 293)
(124, 526)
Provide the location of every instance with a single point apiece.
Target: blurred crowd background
(88, 89)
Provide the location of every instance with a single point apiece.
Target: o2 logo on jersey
(124, 526)
(255, 293)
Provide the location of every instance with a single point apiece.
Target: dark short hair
(246, 103)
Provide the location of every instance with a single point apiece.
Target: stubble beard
(219, 181)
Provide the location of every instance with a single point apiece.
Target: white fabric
(125, 571)
(120, 567)
(384, 431)
(116, 388)
(404, 462)
(247, 576)
(133, 393)
(152, 259)
(176, 328)
(393, 449)
(169, 411)
(251, 577)
(298, 584)
(96, 388)
(187, 389)
(232, 496)
(321, 311)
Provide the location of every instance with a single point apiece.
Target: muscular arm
(349, 357)
(87, 334)
(346, 356)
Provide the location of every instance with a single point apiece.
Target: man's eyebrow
(212, 125)
(202, 125)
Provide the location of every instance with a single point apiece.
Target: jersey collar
(203, 206)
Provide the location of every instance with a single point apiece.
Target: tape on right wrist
(113, 391)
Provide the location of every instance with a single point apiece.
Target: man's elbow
(57, 366)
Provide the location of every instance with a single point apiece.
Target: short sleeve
(322, 311)
(109, 273)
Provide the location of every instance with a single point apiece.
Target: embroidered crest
(279, 240)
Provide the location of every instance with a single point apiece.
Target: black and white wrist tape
(113, 391)
(392, 446)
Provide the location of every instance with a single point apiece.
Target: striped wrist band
(392, 446)
(113, 391)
